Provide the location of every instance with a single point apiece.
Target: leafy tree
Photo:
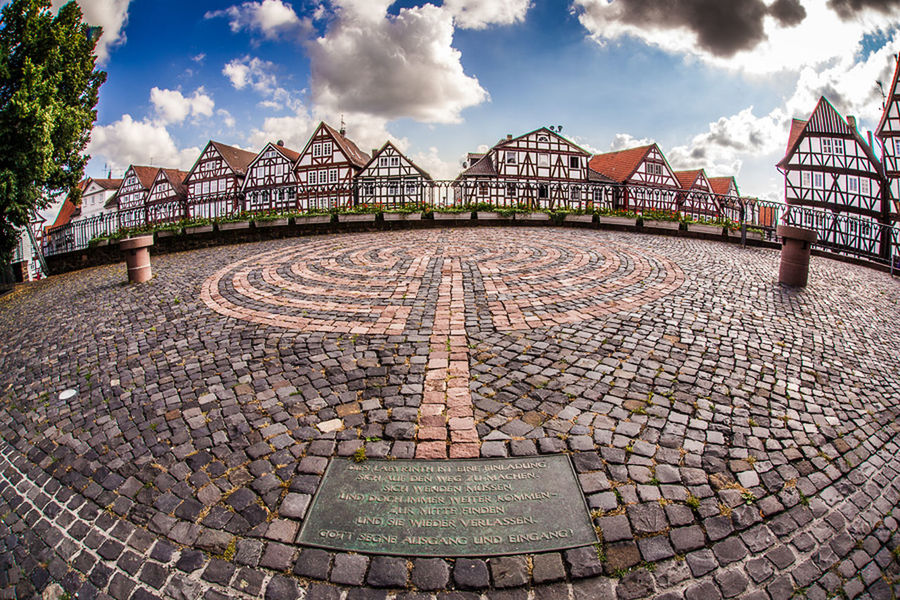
(48, 90)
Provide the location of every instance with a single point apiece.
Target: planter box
(100, 243)
(751, 235)
(357, 218)
(234, 225)
(579, 219)
(705, 229)
(662, 225)
(617, 221)
(271, 223)
(389, 216)
(198, 229)
(535, 216)
(452, 216)
(313, 220)
(492, 216)
(164, 233)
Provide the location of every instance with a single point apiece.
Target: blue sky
(714, 83)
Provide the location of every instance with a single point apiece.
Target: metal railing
(844, 234)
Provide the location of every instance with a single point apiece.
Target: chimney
(343, 129)
(280, 143)
(508, 136)
(851, 121)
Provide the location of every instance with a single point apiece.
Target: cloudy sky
(714, 83)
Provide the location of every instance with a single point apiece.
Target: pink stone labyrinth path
(383, 284)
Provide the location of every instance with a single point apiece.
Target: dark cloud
(722, 28)
(847, 9)
(788, 12)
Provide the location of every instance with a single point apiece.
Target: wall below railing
(167, 243)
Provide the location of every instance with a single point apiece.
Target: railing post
(743, 223)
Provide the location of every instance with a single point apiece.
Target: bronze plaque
(476, 507)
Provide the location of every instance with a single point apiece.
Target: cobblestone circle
(733, 438)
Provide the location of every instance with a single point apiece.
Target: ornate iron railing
(840, 233)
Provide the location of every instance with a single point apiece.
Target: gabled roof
(687, 179)
(483, 168)
(825, 119)
(620, 165)
(720, 185)
(350, 150)
(387, 144)
(892, 98)
(236, 158)
(106, 184)
(507, 141)
(68, 208)
(176, 179)
(291, 155)
(145, 175)
(595, 177)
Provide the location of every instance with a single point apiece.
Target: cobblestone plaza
(732, 437)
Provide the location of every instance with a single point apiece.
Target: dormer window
(544, 138)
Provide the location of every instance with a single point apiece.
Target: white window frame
(543, 159)
(574, 162)
(819, 181)
(317, 150)
(827, 147)
(897, 146)
(382, 161)
(395, 161)
(853, 185)
(865, 186)
(511, 157)
(806, 179)
(327, 149)
(333, 176)
(312, 178)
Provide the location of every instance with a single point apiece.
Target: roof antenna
(343, 126)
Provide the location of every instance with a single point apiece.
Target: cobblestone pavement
(734, 438)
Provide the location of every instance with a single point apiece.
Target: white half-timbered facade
(392, 180)
(649, 183)
(132, 195)
(728, 194)
(828, 166)
(540, 169)
(326, 170)
(271, 184)
(214, 182)
(889, 133)
(167, 199)
(696, 197)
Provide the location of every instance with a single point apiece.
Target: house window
(574, 162)
(393, 188)
(805, 179)
(326, 148)
(395, 161)
(312, 178)
(826, 146)
(333, 176)
(482, 189)
(865, 186)
(838, 146)
(654, 168)
(412, 187)
(574, 193)
(511, 190)
(542, 190)
(897, 146)
(317, 149)
(383, 161)
(543, 138)
(510, 157)
(543, 160)
(853, 184)
(818, 180)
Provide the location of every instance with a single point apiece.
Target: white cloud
(478, 14)
(111, 15)
(762, 45)
(226, 117)
(623, 141)
(273, 19)
(294, 130)
(172, 106)
(127, 142)
(391, 66)
(259, 75)
(436, 166)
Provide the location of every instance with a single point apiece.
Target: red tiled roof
(236, 158)
(66, 212)
(687, 179)
(353, 153)
(291, 155)
(720, 185)
(176, 180)
(621, 165)
(146, 175)
(108, 184)
(797, 127)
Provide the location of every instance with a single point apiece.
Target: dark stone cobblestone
(734, 438)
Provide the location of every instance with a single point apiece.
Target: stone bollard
(137, 257)
(796, 244)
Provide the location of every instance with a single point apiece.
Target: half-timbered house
(214, 182)
(540, 169)
(326, 170)
(271, 184)
(696, 197)
(97, 192)
(392, 180)
(131, 197)
(889, 133)
(167, 199)
(648, 182)
(728, 195)
(829, 167)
